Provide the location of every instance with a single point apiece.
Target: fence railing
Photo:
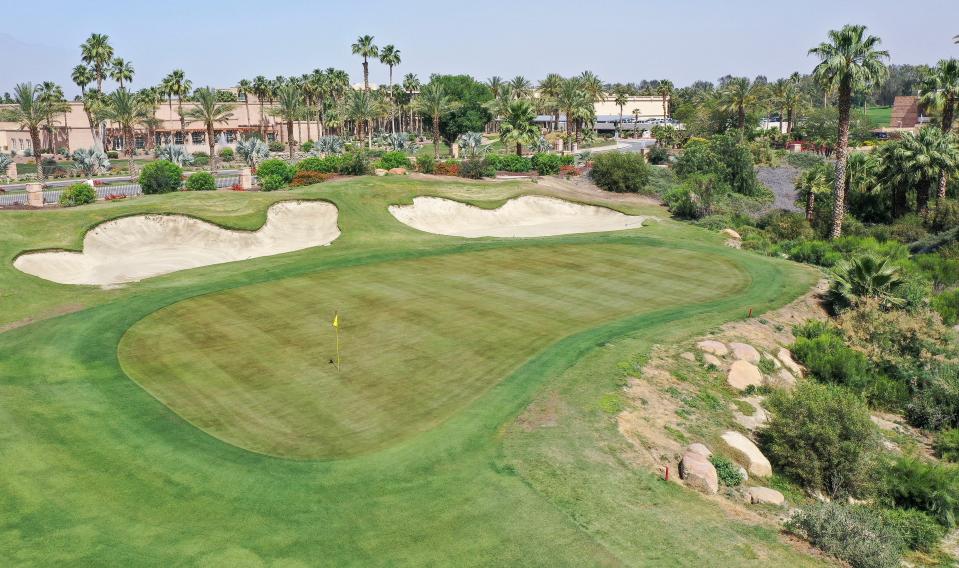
(8, 199)
(129, 190)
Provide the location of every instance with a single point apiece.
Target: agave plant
(175, 153)
(328, 145)
(583, 158)
(471, 144)
(91, 161)
(866, 276)
(399, 141)
(252, 150)
(5, 161)
(542, 145)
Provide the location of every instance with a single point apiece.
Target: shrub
(354, 164)
(201, 181)
(476, 168)
(425, 164)
(307, 177)
(277, 146)
(947, 306)
(911, 483)
(546, 164)
(620, 172)
(227, 154)
(326, 165)
(515, 164)
(947, 445)
(855, 534)
(201, 160)
(915, 529)
(448, 168)
(307, 146)
(277, 168)
(727, 470)
(113, 155)
(786, 226)
(935, 399)
(160, 176)
(822, 437)
(394, 159)
(252, 150)
(820, 253)
(272, 182)
(77, 194)
(658, 155)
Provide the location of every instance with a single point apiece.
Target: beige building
(648, 107)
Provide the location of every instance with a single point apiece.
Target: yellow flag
(336, 321)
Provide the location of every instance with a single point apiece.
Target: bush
(201, 159)
(354, 164)
(855, 534)
(620, 172)
(512, 163)
(160, 176)
(327, 165)
(727, 470)
(394, 159)
(307, 146)
(425, 164)
(915, 529)
(77, 194)
(935, 399)
(201, 181)
(448, 168)
(277, 146)
(821, 436)
(277, 168)
(307, 177)
(947, 445)
(272, 182)
(786, 226)
(476, 168)
(227, 154)
(947, 306)
(546, 164)
(911, 483)
(658, 155)
(113, 155)
(820, 253)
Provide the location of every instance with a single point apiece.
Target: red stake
(750, 313)
(667, 473)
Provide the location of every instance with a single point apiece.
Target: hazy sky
(217, 43)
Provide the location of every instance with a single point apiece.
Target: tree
(620, 97)
(470, 113)
(176, 84)
(549, 90)
(390, 56)
(433, 101)
(83, 76)
(261, 89)
(97, 52)
(361, 108)
(411, 84)
(570, 98)
(817, 180)
(210, 111)
(30, 111)
(521, 87)
(517, 126)
(917, 161)
(738, 96)
(665, 91)
(866, 277)
(289, 107)
(121, 71)
(365, 48)
(245, 88)
(940, 91)
(636, 112)
(55, 102)
(124, 108)
(849, 61)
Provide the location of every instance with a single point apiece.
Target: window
(198, 137)
(271, 136)
(140, 142)
(178, 138)
(230, 136)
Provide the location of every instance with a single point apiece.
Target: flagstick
(337, 348)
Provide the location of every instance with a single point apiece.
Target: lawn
(422, 451)
(879, 116)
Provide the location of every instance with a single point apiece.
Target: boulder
(775, 361)
(713, 360)
(699, 473)
(745, 352)
(743, 473)
(700, 449)
(765, 496)
(786, 358)
(731, 234)
(688, 356)
(742, 374)
(756, 463)
(782, 379)
(380, 172)
(398, 171)
(757, 419)
(714, 347)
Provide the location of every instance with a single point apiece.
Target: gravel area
(782, 182)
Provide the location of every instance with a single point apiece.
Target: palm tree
(365, 48)
(435, 103)
(548, 90)
(738, 96)
(517, 126)
(665, 91)
(390, 56)
(620, 98)
(361, 108)
(817, 180)
(289, 107)
(919, 160)
(55, 102)
(520, 87)
(210, 111)
(150, 98)
(867, 276)
(30, 111)
(121, 71)
(176, 84)
(592, 86)
(411, 84)
(261, 88)
(245, 88)
(97, 52)
(940, 90)
(636, 112)
(849, 61)
(83, 76)
(127, 110)
(793, 101)
(570, 98)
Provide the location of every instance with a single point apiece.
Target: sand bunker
(134, 248)
(528, 216)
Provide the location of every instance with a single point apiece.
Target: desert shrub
(915, 529)
(727, 470)
(476, 168)
(854, 534)
(448, 168)
(803, 160)
(201, 159)
(682, 203)
(394, 159)
(77, 194)
(308, 177)
(947, 306)
(947, 445)
(821, 253)
(425, 164)
(227, 154)
(621, 172)
(697, 158)
(822, 437)
(514, 163)
(935, 399)
(940, 271)
(201, 181)
(911, 483)
(160, 176)
(546, 164)
(327, 165)
(658, 155)
(272, 182)
(277, 168)
(908, 228)
(786, 225)
(277, 146)
(307, 146)
(354, 164)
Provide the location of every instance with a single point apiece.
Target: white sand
(134, 248)
(528, 216)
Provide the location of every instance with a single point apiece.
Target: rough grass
(96, 471)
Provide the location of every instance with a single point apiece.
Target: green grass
(879, 116)
(520, 464)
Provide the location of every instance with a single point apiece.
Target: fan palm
(30, 111)
(127, 110)
(390, 56)
(849, 61)
(918, 161)
(435, 103)
(665, 91)
(83, 76)
(517, 125)
(210, 111)
(55, 102)
(411, 84)
(97, 52)
(121, 71)
(620, 98)
(365, 48)
(814, 181)
(864, 277)
(176, 84)
(261, 89)
(244, 89)
(940, 91)
(289, 107)
(548, 89)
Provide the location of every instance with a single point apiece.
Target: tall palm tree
(245, 88)
(261, 88)
(849, 61)
(365, 48)
(918, 160)
(30, 111)
(548, 89)
(570, 98)
(289, 107)
(636, 112)
(361, 108)
(592, 86)
(210, 111)
(665, 91)
(620, 98)
(792, 100)
(390, 56)
(435, 103)
(178, 85)
(83, 76)
(521, 87)
(411, 84)
(55, 102)
(150, 98)
(517, 125)
(817, 180)
(738, 96)
(121, 71)
(311, 92)
(97, 52)
(940, 91)
(127, 110)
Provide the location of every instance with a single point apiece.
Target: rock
(742, 374)
(698, 473)
(688, 356)
(757, 419)
(783, 379)
(714, 347)
(380, 172)
(745, 352)
(743, 473)
(786, 358)
(765, 496)
(698, 448)
(731, 234)
(398, 171)
(756, 463)
(713, 360)
(775, 361)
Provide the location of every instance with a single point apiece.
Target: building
(607, 113)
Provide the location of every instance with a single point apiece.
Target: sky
(217, 43)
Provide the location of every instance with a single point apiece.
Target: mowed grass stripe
(420, 340)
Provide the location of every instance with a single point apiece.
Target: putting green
(421, 339)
